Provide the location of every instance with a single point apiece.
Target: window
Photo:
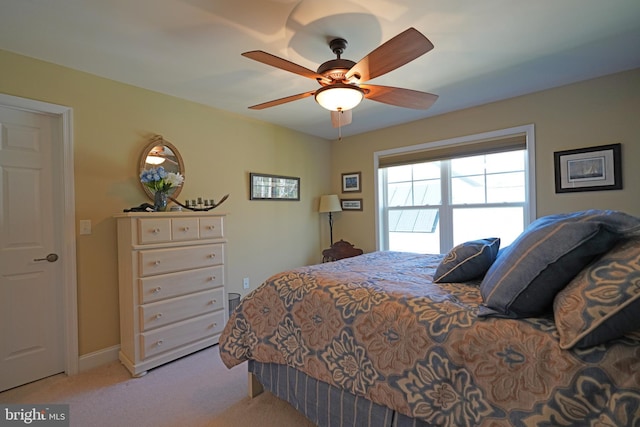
(432, 200)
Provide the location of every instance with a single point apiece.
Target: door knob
(50, 258)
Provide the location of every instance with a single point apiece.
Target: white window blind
(494, 145)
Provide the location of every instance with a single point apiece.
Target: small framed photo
(351, 204)
(351, 182)
(588, 169)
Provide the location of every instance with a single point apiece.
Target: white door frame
(64, 117)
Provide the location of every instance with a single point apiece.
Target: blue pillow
(467, 261)
(602, 302)
(524, 280)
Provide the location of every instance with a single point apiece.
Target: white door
(31, 291)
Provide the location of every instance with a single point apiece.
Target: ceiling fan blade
(341, 118)
(282, 100)
(403, 48)
(283, 64)
(400, 97)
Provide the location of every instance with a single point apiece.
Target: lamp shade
(329, 203)
(339, 96)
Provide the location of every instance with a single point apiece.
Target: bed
(403, 339)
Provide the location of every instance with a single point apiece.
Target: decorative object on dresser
(200, 205)
(161, 153)
(171, 282)
(340, 250)
(161, 183)
(329, 203)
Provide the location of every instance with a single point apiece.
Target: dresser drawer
(154, 230)
(211, 228)
(179, 334)
(184, 229)
(162, 313)
(171, 285)
(159, 261)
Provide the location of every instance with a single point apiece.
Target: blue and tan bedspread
(377, 326)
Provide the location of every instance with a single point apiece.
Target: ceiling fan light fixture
(154, 159)
(156, 155)
(339, 96)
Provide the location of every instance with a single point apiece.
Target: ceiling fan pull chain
(339, 125)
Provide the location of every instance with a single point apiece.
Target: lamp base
(331, 227)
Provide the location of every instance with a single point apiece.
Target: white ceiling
(484, 50)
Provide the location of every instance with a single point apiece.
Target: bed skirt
(324, 404)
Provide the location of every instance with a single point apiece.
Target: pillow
(523, 281)
(602, 302)
(467, 261)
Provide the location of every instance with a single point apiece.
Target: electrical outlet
(245, 283)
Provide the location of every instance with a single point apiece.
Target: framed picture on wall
(273, 187)
(351, 182)
(588, 169)
(351, 204)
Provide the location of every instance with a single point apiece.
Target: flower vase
(160, 201)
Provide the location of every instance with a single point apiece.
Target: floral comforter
(377, 326)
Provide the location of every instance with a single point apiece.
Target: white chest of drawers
(171, 268)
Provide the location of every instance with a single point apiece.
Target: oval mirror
(160, 152)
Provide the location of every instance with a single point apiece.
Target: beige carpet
(265, 410)
(195, 391)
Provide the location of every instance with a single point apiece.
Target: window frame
(381, 220)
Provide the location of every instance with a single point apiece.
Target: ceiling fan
(341, 79)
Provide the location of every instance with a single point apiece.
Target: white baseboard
(98, 358)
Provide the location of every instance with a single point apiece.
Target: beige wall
(112, 124)
(595, 112)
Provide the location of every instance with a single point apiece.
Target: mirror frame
(155, 141)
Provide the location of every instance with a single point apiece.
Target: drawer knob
(211, 227)
(156, 262)
(159, 315)
(212, 255)
(212, 278)
(159, 342)
(185, 229)
(213, 301)
(213, 325)
(156, 290)
(155, 230)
